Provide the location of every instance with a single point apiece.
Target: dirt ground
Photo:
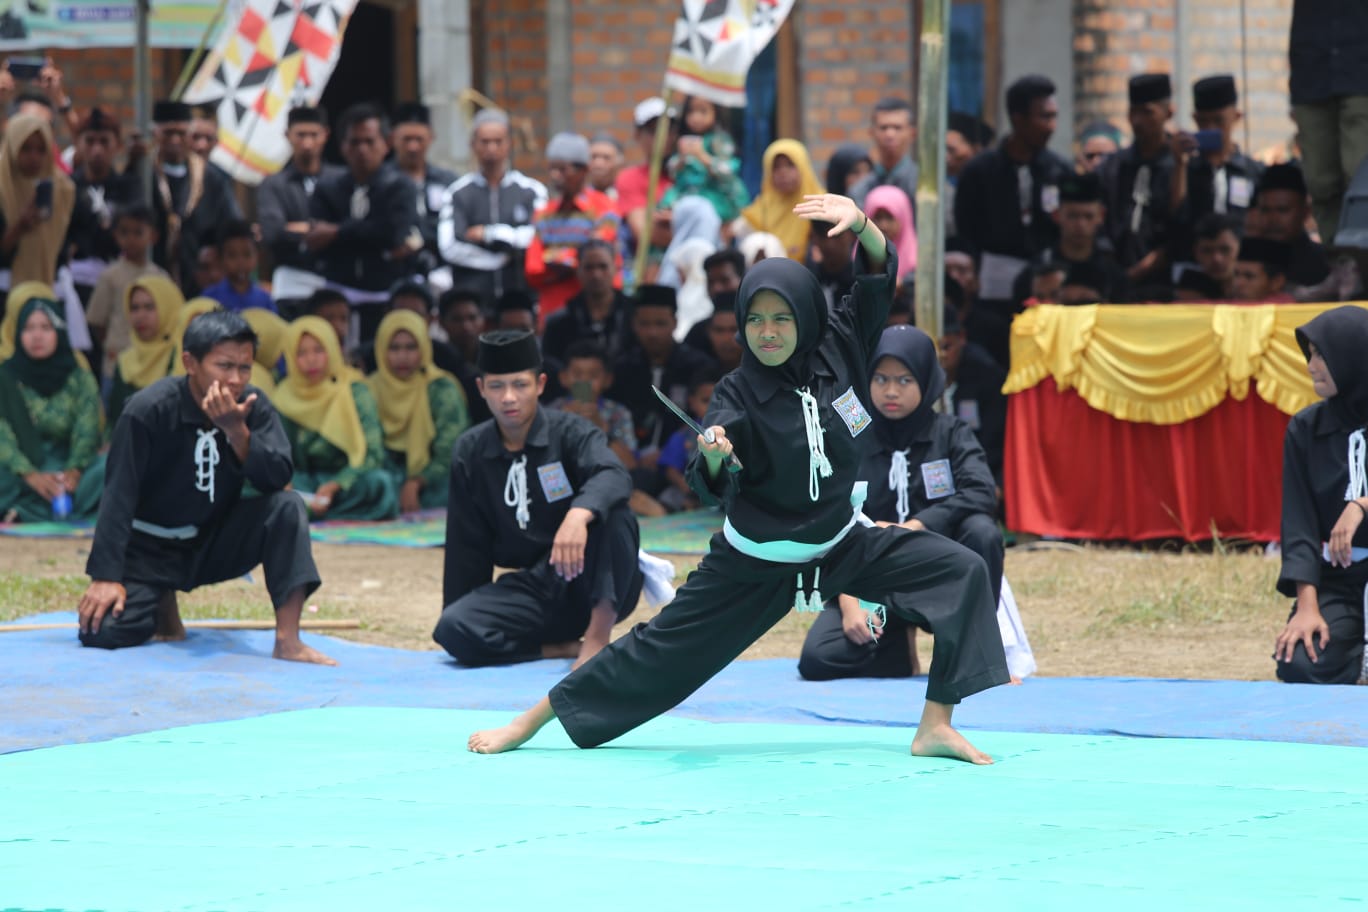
(1087, 611)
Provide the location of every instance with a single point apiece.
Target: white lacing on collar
(206, 460)
(897, 482)
(818, 464)
(1358, 478)
(515, 490)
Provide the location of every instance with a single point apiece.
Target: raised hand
(841, 211)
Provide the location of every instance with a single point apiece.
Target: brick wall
(1116, 38)
(618, 55)
(513, 54)
(104, 76)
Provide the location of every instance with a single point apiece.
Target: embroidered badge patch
(554, 483)
(969, 412)
(1049, 198)
(937, 478)
(852, 412)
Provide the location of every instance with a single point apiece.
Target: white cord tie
(897, 482)
(1358, 478)
(809, 601)
(515, 490)
(818, 464)
(206, 460)
(1140, 196)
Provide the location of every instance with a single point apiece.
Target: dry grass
(1093, 611)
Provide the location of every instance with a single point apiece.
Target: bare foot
(514, 734)
(170, 628)
(944, 741)
(296, 651)
(1014, 681)
(570, 650)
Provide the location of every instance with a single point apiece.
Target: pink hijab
(893, 201)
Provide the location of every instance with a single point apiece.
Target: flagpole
(662, 132)
(142, 91)
(193, 61)
(931, 104)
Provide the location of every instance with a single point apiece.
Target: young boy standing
(135, 233)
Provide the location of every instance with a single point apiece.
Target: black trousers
(828, 653)
(1341, 604)
(731, 600)
(511, 618)
(272, 530)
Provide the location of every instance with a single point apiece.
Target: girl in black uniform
(1325, 494)
(926, 472)
(794, 414)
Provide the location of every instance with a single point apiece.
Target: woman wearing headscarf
(18, 296)
(789, 421)
(334, 428)
(152, 305)
(891, 210)
(788, 178)
(926, 472)
(36, 201)
(422, 410)
(270, 330)
(847, 165)
(49, 424)
(1325, 494)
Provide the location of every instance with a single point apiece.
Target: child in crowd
(705, 163)
(238, 290)
(584, 377)
(516, 311)
(674, 456)
(135, 232)
(891, 210)
(208, 267)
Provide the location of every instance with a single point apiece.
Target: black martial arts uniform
(977, 399)
(374, 220)
(173, 517)
(928, 467)
(190, 201)
(633, 377)
(1323, 441)
(1136, 193)
(283, 198)
(565, 463)
(798, 429)
(431, 194)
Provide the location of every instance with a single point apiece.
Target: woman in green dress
(153, 305)
(334, 429)
(49, 423)
(422, 410)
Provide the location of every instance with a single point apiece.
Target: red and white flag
(715, 42)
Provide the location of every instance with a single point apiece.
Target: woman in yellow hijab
(153, 306)
(33, 230)
(422, 409)
(787, 179)
(270, 330)
(19, 295)
(334, 428)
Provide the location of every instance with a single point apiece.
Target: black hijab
(842, 162)
(915, 351)
(45, 377)
(1341, 337)
(793, 282)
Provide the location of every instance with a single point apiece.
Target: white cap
(648, 110)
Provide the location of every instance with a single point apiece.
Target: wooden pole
(932, 88)
(652, 189)
(204, 625)
(142, 91)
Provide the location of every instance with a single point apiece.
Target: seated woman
(925, 471)
(270, 330)
(18, 296)
(334, 429)
(153, 305)
(788, 177)
(891, 210)
(49, 424)
(1325, 494)
(422, 409)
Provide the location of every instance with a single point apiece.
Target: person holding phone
(36, 202)
(1212, 175)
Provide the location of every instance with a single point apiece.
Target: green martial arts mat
(369, 809)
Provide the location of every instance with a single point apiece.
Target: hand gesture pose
(228, 415)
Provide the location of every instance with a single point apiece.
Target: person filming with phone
(36, 202)
(1212, 174)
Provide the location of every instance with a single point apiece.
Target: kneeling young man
(173, 517)
(538, 491)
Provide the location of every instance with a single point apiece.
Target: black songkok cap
(171, 112)
(1148, 87)
(1275, 256)
(516, 299)
(97, 121)
(1283, 177)
(1214, 93)
(1089, 275)
(508, 351)
(306, 115)
(656, 296)
(412, 112)
(1080, 188)
(1198, 282)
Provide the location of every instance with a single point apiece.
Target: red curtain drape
(1074, 472)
